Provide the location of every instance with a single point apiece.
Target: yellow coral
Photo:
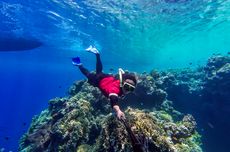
(84, 105)
(84, 148)
(149, 78)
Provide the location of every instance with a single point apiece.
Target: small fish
(190, 63)
(228, 53)
(6, 138)
(59, 86)
(111, 69)
(210, 125)
(24, 124)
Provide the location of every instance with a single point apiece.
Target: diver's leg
(92, 77)
(98, 64)
(84, 70)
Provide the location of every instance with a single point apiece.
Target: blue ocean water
(138, 35)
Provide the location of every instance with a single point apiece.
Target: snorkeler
(109, 85)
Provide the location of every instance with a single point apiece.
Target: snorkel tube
(120, 76)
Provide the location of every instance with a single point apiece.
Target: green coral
(84, 148)
(165, 116)
(38, 120)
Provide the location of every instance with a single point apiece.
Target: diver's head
(129, 83)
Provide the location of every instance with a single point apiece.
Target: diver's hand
(120, 115)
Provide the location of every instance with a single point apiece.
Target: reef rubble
(83, 121)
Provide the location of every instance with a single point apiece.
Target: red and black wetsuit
(108, 84)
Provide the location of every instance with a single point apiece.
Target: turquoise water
(138, 35)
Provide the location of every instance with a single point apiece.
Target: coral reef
(217, 80)
(205, 89)
(162, 133)
(83, 120)
(78, 130)
(205, 93)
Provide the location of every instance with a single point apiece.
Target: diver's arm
(115, 106)
(113, 100)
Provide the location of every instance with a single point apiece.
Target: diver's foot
(92, 50)
(76, 61)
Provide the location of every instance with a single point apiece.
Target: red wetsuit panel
(110, 85)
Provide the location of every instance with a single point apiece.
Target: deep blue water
(138, 35)
(26, 87)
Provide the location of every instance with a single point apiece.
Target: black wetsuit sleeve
(113, 100)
